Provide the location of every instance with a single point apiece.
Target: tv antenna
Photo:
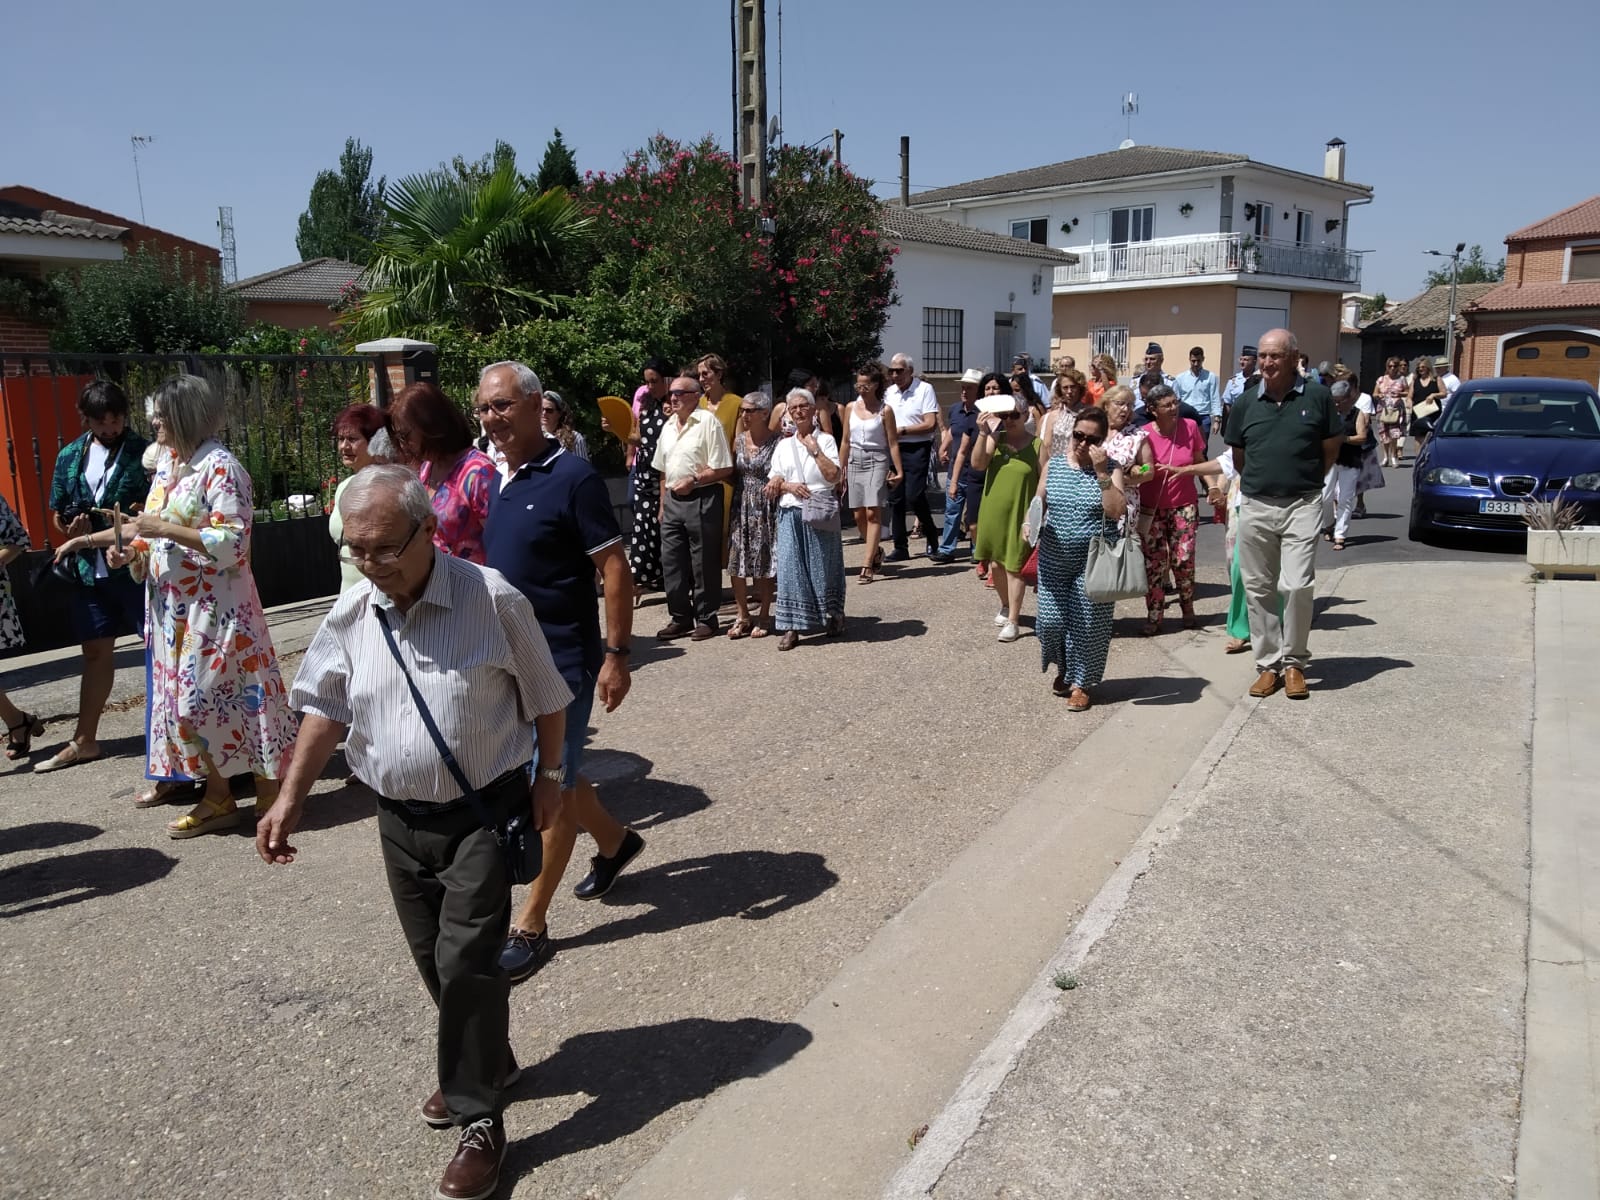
(137, 140)
(230, 248)
(1130, 109)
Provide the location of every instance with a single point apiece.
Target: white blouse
(793, 463)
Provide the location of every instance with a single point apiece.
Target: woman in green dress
(1008, 455)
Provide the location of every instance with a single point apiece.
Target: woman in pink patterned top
(433, 436)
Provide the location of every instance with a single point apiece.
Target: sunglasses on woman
(1087, 439)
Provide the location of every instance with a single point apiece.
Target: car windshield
(1530, 413)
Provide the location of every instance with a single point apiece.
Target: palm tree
(478, 254)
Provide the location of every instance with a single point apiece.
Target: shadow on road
(325, 810)
(1151, 689)
(42, 835)
(87, 875)
(751, 885)
(876, 629)
(69, 667)
(1332, 674)
(1336, 620)
(637, 1074)
(646, 803)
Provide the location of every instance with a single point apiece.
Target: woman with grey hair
(754, 529)
(810, 556)
(557, 414)
(217, 703)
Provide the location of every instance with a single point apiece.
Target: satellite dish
(1127, 144)
(773, 130)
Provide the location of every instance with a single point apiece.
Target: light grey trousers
(1277, 549)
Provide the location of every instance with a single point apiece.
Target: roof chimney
(1333, 160)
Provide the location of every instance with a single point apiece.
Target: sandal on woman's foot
(758, 630)
(1236, 646)
(209, 816)
(1078, 701)
(166, 792)
(789, 640)
(739, 629)
(20, 745)
(68, 756)
(866, 575)
(1150, 629)
(1338, 543)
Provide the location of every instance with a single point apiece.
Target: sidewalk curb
(949, 1132)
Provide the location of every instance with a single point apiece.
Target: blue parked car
(1500, 443)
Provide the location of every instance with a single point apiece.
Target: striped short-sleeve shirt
(476, 653)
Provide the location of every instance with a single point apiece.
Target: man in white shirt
(693, 459)
(1448, 379)
(472, 649)
(916, 418)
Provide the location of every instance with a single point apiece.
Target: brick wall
(198, 258)
(19, 336)
(1478, 347)
(1536, 262)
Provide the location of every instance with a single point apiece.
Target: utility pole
(1450, 321)
(838, 151)
(230, 247)
(905, 172)
(750, 33)
(138, 140)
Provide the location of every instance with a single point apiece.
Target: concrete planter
(1574, 551)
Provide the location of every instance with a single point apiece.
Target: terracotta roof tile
(1581, 220)
(316, 281)
(908, 226)
(1510, 298)
(1426, 313)
(18, 219)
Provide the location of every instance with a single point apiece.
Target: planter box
(1573, 551)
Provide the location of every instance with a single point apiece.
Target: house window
(1585, 263)
(1302, 227)
(1577, 352)
(941, 340)
(1036, 230)
(1112, 340)
(1527, 352)
(1132, 224)
(1259, 215)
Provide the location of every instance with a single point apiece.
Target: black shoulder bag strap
(467, 790)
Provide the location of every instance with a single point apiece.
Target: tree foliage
(1474, 269)
(343, 216)
(144, 304)
(1374, 307)
(480, 171)
(474, 254)
(558, 167)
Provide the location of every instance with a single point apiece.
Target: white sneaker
(1008, 632)
(1000, 619)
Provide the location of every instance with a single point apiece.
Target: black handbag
(519, 843)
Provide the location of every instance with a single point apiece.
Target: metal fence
(1209, 254)
(280, 411)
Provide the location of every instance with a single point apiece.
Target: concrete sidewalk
(1308, 979)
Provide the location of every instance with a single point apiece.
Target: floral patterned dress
(755, 515)
(1389, 397)
(461, 503)
(214, 681)
(1122, 447)
(11, 534)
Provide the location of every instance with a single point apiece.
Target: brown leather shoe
(674, 630)
(436, 1112)
(474, 1172)
(1294, 684)
(1266, 683)
(1078, 700)
(703, 633)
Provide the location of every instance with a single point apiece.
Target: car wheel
(1418, 530)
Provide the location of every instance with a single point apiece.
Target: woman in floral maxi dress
(218, 706)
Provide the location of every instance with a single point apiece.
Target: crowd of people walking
(460, 665)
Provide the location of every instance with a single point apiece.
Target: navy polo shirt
(543, 525)
(963, 424)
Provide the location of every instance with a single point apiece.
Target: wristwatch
(622, 650)
(553, 775)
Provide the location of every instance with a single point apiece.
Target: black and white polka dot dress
(644, 551)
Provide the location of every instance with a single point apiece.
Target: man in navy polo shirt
(550, 527)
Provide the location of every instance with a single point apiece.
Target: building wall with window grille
(942, 345)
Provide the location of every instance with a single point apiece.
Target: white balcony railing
(1208, 254)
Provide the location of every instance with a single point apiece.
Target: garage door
(1554, 354)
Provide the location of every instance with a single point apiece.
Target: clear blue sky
(1465, 134)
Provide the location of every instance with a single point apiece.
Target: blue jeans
(953, 510)
(1205, 426)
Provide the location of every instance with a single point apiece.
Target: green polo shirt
(1282, 440)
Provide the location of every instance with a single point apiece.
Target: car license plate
(1503, 508)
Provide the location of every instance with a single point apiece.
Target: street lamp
(1450, 323)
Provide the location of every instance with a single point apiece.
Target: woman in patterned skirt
(754, 528)
(644, 547)
(21, 727)
(810, 559)
(1083, 495)
(217, 701)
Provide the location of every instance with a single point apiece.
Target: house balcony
(1211, 256)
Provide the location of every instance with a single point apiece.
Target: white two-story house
(1183, 247)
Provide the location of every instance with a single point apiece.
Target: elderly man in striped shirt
(475, 654)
